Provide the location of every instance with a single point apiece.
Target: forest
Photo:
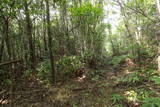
(79, 53)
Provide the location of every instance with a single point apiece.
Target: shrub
(149, 72)
(132, 78)
(116, 60)
(67, 65)
(156, 79)
(116, 98)
(28, 72)
(44, 70)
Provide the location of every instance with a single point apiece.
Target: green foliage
(116, 60)
(92, 31)
(74, 105)
(104, 85)
(100, 71)
(139, 76)
(27, 72)
(137, 95)
(65, 65)
(44, 70)
(3, 74)
(143, 94)
(118, 105)
(69, 64)
(95, 78)
(131, 96)
(87, 12)
(116, 98)
(9, 7)
(7, 82)
(150, 72)
(88, 54)
(97, 74)
(4, 78)
(149, 51)
(156, 79)
(101, 91)
(140, 95)
(151, 102)
(132, 78)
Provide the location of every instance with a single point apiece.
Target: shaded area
(101, 87)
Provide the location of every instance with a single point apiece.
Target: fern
(116, 98)
(156, 79)
(151, 102)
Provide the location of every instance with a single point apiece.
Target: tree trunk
(44, 36)
(126, 23)
(158, 39)
(5, 37)
(5, 26)
(1, 49)
(158, 50)
(53, 70)
(29, 34)
(112, 43)
(158, 59)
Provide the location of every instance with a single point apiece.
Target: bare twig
(2, 92)
(80, 89)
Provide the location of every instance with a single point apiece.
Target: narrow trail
(94, 91)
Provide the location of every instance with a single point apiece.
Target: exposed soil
(93, 90)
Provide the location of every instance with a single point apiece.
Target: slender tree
(158, 39)
(1, 49)
(53, 70)
(29, 34)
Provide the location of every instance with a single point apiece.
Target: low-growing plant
(156, 79)
(118, 105)
(27, 72)
(143, 94)
(149, 72)
(7, 82)
(69, 64)
(116, 60)
(140, 76)
(95, 78)
(3, 76)
(74, 105)
(44, 72)
(131, 96)
(99, 71)
(116, 98)
(132, 78)
(65, 65)
(151, 102)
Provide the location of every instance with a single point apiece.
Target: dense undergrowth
(116, 81)
(138, 86)
(127, 85)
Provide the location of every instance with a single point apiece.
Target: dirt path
(94, 91)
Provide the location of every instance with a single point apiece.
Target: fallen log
(10, 62)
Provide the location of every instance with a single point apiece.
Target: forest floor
(98, 88)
